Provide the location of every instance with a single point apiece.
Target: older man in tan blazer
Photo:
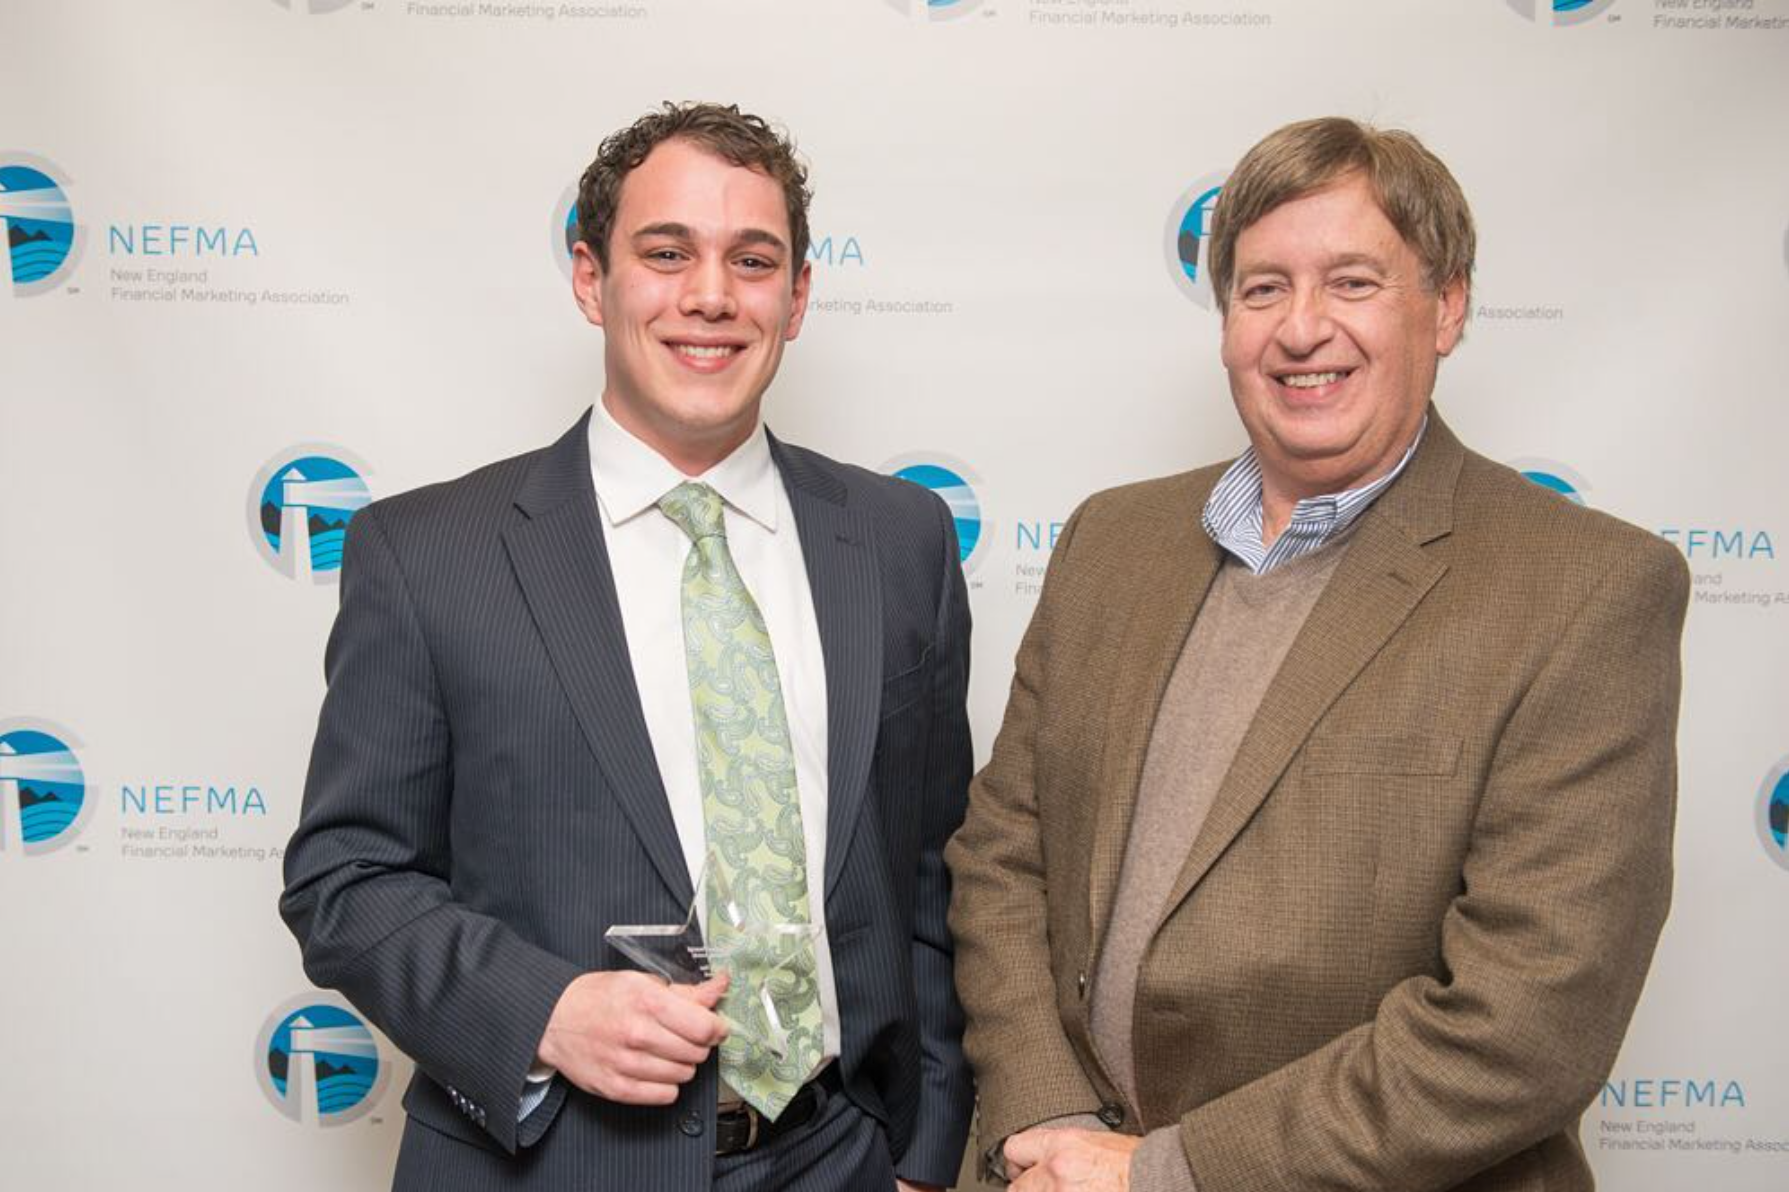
(1328, 835)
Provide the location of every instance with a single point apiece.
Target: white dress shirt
(646, 555)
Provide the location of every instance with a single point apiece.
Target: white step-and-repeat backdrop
(259, 242)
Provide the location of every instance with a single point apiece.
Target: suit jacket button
(1081, 984)
(691, 1124)
(1112, 1114)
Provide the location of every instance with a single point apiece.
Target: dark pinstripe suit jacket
(483, 802)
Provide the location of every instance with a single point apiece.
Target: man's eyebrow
(1358, 258)
(759, 236)
(676, 231)
(1347, 260)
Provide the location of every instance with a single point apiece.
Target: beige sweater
(1244, 629)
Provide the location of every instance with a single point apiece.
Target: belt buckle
(754, 1126)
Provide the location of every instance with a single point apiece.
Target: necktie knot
(696, 510)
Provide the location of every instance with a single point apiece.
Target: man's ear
(798, 308)
(587, 282)
(1450, 320)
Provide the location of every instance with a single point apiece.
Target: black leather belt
(742, 1128)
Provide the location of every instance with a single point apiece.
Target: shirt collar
(630, 477)
(1232, 515)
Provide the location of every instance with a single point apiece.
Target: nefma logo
(318, 1063)
(299, 507)
(952, 480)
(1773, 813)
(1709, 544)
(43, 789)
(1561, 12)
(830, 250)
(1672, 1092)
(314, 7)
(180, 240)
(42, 239)
(564, 228)
(1186, 240)
(935, 10)
(1555, 477)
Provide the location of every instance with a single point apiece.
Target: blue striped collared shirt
(1233, 513)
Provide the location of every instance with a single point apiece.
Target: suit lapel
(1173, 576)
(838, 549)
(562, 565)
(1378, 584)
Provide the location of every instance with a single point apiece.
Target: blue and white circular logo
(1773, 813)
(935, 10)
(564, 229)
(43, 789)
(314, 7)
(1186, 239)
(1555, 476)
(42, 238)
(299, 507)
(952, 480)
(1561, 12)
(317, 1062)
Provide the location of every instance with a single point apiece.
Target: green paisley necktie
(750, 811)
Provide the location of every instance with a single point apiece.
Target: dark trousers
(842, 1150)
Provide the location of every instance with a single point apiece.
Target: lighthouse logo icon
(318, 1063)
(299, 508)
(43, 789)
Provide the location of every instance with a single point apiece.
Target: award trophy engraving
(754, 953)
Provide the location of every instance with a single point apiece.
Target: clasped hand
(1060, 1160)
(632, 1038)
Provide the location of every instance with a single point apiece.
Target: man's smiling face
(1332, 340)
(699, 297)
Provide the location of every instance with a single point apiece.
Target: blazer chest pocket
(902, 690)
(1382, 753)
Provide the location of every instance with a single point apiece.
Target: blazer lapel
(1378, 584)
(562, 564)
(838, 549)
(1173, 576)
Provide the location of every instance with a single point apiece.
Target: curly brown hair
(723, 130)
(1413, 188)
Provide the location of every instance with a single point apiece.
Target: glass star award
(756, 954)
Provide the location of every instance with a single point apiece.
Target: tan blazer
(1404, 949)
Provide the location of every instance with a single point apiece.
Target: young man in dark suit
(561, 685)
